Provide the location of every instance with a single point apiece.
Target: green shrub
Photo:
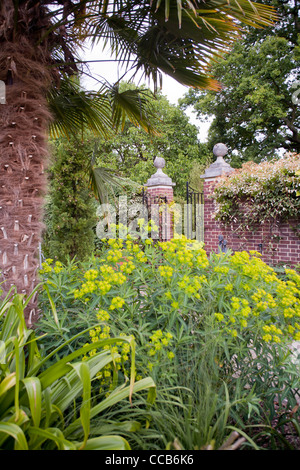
(47, 405)
(70, 210)
(231, 312)
(259, 192)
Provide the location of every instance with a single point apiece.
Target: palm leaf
(74, 109)
(133, 104)
(103, 181)
(175, 37)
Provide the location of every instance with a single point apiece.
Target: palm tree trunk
(23, 149)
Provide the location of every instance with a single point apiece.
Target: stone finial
(220, 150)
(159, 178)
(219, 167)
(159, 162)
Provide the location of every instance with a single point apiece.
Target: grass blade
(11, 429)
(53, 308)
(107, 443)
(52, 434)
(83, 372)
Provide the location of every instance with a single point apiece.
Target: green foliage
(48, 406)
(71, 208)
(254, 113)
(215, 335)
(259, 191)
(131, 152)
(102, 112)
(175, 38)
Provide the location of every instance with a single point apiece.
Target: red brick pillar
(159, 196)
(213, 233)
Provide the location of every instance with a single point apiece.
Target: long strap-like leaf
(83, 372)
(117, 396)
(11, 429)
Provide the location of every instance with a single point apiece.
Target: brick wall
(161, 191)
(166, 222)
(278, 243)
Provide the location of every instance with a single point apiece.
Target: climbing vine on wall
(259, 192)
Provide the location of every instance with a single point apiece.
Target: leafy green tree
(256, 113)
(39, 43)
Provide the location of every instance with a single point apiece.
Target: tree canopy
(256, 113)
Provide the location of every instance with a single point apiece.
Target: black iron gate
(194, 214)
(162, 215)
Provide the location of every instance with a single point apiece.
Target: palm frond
(135, 104)
(175, 37)
(104, 181)
(74, 109)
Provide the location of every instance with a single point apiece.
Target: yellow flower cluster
(262, 301)
(275, 299)
(252, 266)
(219, 316)
(147, 228)
(100, 281)
(181, 251)
(47, 268)
(272, 333)
(191, 285)
(92, 286)
(140, 257)
(91, 275)
(119, 351)
(295, 331)
(229, 287)
(292, 274)
(288, 300)
(102, 315)
(240, 310)
(127, 267)
(114, 255)
(117, 302)
(58, 267)
(100, 333)
(158, 341)
(201, 258)
(221, 269)
(166, 271)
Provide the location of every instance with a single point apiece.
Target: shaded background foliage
(132, 151)
(70, 213)
(123, 163)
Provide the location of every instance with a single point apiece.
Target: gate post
(211, 176)
(160, 188)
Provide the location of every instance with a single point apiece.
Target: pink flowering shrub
(256, 192)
